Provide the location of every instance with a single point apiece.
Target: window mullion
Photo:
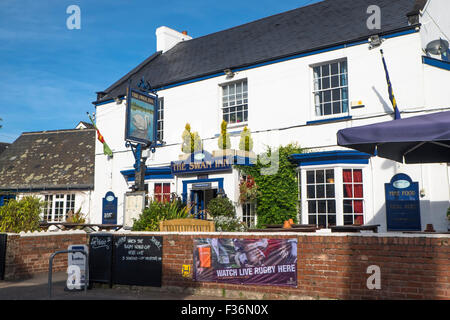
(339, 193)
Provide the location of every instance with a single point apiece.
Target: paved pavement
(36, 288)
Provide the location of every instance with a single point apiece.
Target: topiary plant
(191, 142)
(246, 142)
(224, 138)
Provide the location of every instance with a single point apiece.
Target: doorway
(200, 199)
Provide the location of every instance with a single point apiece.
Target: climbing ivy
(278, 187)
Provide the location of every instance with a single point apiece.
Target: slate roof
(49, 160)
(317, 26)
(4, 146)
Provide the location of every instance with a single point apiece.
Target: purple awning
(419, 139)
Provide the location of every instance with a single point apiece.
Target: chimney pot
(184, 32)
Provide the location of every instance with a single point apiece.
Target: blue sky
(49, 74)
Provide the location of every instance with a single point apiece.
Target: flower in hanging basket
(248, 190)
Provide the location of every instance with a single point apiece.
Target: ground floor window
(57, 207)
(249, 214)
(333, 196)
(161, 192)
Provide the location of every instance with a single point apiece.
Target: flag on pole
(106, 149)
(391, 92)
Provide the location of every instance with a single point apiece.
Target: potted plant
(246, 145)
(191, 142)
(224, 142)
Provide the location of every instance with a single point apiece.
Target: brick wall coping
(296, 234)
(47, 233)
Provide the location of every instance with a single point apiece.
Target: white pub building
(299, 76)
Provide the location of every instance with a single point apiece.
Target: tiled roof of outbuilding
(321, 25)
(62, 159)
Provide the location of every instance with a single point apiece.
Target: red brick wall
(336, 266)
(328, 266)
(30, 254)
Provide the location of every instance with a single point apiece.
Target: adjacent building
(56, 166)
(298, 76)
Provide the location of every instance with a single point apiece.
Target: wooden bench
(187, 225)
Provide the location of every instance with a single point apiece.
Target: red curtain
(347, 177)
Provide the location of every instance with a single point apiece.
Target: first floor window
(162, 192)
(57, 207)
(330, 88)
(249, 214)
(235, 102)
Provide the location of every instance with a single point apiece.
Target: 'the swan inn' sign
(201, 162)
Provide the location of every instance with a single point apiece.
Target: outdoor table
(298, 229)
(67, 225)
(355, 228)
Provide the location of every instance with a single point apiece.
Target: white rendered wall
(280, 105)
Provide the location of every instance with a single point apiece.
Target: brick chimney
(167, 38)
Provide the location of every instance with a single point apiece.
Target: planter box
(223, 153)
(184, 156)
(246, 154)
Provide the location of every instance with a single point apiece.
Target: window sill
(326, 120)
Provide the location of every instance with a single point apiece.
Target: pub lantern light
(228, 73)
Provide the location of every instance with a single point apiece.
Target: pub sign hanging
(141, 117)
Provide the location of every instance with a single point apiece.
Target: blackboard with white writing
(3, 237)
(100, 257)
(137, 260)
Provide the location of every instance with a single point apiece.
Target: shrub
(224, 223)
(246, 142)
(221, 207)
(224, 138)
(159, 211)
(76, 217)
(224, 215)
(191, 141)
(21, 215)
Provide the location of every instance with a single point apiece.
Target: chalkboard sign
(100, 257)
(137, 260)
(109, 210)
(402, 204)
(3, 237)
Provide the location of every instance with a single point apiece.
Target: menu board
(100, 257)
(137, 260)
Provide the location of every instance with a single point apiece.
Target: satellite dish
(437, 47)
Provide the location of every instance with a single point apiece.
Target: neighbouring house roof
(321, 25)
(84, 125)
(4, 146)
(49, 160)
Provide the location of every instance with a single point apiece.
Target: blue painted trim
(257, 65)
(329, 157)
(185, 183)
(150, 173)
(329, 120)
(436, 63)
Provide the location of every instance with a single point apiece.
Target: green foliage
(76, 217)
(229, 224)
(278, 191)
(21, 215)
(224, 215)
(191, 141)
(246, 142)
(224, 138)
(448, 213)
(160, 211)
(221, 206)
